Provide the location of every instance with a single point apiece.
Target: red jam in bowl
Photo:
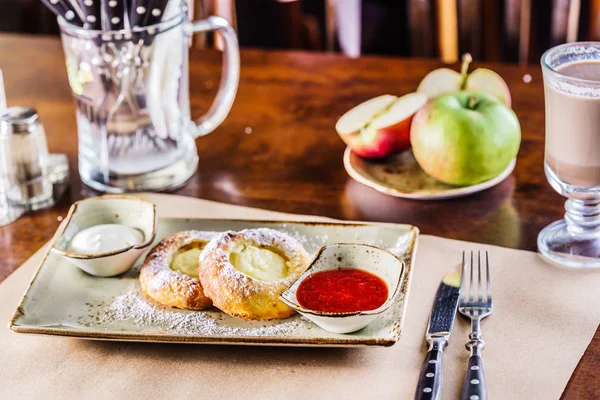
(342, 290)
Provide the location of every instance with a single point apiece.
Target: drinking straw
(91, 14)
(64, 9)
(114, 14)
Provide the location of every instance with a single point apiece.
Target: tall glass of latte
(572, 157)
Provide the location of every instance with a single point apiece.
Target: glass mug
(572, 152)
(135, 131)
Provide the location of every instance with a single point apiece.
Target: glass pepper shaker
(24, 155)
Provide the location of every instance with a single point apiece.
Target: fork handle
(430, 379)
(474, 385)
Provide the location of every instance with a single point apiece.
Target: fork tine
(471, 280)
(488, 280)
(463, 291)
(479, 288)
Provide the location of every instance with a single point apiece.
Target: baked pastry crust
(239, 294)
(170, 287)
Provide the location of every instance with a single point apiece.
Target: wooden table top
(278, 150)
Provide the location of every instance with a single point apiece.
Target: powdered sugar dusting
(134, 309)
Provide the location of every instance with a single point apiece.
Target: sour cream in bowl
(104, 236)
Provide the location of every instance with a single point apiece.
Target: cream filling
(259, 263)
(186, 261)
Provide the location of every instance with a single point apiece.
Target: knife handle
(474, 385)
(430, 379)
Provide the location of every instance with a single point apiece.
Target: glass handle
(229, 78)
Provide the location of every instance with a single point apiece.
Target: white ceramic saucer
(401, 176)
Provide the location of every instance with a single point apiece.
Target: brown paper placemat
(544, 318)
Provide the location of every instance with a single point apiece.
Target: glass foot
(562, 247)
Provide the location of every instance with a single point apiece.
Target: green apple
(463, 138)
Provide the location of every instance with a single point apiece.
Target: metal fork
(475, 303)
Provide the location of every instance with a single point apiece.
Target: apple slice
(378, 133)
(361, 115)
(489, 82)
(440, 81)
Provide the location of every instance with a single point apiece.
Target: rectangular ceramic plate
(65, 301)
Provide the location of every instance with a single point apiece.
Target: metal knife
(441, 321)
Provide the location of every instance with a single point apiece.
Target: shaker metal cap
(18, 120)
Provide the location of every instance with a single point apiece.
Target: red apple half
(380, 127)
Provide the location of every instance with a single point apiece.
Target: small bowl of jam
(346, 286)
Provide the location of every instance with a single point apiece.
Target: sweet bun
(169, 274)
(244, 272)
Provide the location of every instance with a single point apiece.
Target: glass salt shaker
(25, 159)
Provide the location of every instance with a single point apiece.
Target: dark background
(493, 30)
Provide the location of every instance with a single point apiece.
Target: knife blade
(441, 321)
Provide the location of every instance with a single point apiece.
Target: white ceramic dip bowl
(130, 211)
(368, 258)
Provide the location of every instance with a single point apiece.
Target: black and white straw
(114, 14)
(156, 12)
(91, 14)
(64, 9)
(138, 13)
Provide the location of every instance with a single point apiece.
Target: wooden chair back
(508, 30)
(491, 30)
